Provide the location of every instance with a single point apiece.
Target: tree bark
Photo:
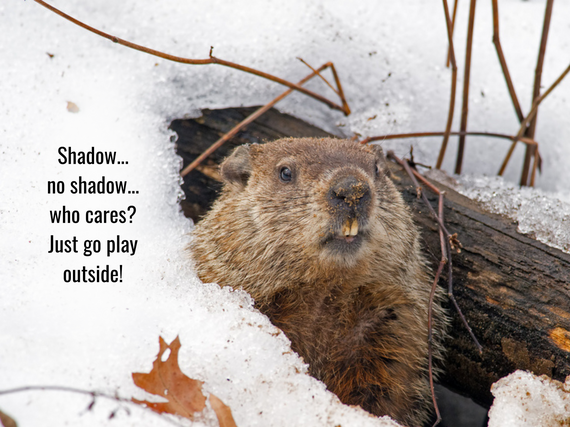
(513, 290)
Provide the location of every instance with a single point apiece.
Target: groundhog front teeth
(350, 229)
(346, 228)
(354, 228)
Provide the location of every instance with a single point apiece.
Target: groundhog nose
(349, 192)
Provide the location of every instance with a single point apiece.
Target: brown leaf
(7, 421)
(167, 380)
(184, 394)
(223, 412)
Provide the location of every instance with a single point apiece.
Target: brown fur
(356, 312)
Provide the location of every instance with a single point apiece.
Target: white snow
(389, 57)
(526, 400)
(543, 215)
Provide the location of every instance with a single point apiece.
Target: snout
(349, 197)
(350, 202)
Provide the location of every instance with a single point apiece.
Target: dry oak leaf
(184, 394)
(7, 421)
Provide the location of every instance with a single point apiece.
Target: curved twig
(452, 28)
(318, 74)
(527, 141)
(210, 60)
(445, 240)
(430, 339)
(524, 124)
(413, 175)
(530, 131)
(499, 49)
(466, 77)
(245, 122)
(93, 394)
(453, 87)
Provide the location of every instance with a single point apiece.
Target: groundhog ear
(379, 153)
(237, 167)
(377, 150)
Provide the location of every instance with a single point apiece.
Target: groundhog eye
(377, 171)
(285, 174)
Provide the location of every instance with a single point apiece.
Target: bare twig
(441, 235)
(499, 48)
(413, 175)
(245, 122)
(318, 74)
(535, 164)
(345, 106)
(452, 29)
(536, 90)
(210, 60)
(442, 263)
(540, 63)
(467, 74)
(429, 134)
(430, 338)
(93, 394)
(445, 239)
(530, 115)
(453, 88)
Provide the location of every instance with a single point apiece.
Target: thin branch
(93, 394)
(430, 339)
(441, 235)
(449, 238)
(453, 88)
(210, 60)
(445, 239)
(536, 90)
(466, 77)
(413, 175)
(535, 164)
(540, 62)
(452, 29)
(345, 106)
(529, 117)
(442, 263)
(318, 74)
(252, 117)
(527, 141)
(499, 49)
(538, 100)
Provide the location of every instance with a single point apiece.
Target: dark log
(513, 290)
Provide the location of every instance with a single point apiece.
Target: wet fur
(357, 317)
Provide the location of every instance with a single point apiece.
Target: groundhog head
(320, 197)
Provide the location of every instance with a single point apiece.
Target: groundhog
(318, 234)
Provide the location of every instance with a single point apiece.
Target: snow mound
(545, 216)
(525, 400)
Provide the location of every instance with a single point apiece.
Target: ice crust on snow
(92, 336)
(543, 215)
(526, 400)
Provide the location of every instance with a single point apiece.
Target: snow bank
(93, 335)
(543, 215)
(525, 400)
